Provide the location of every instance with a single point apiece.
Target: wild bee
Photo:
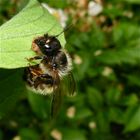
(53, 73)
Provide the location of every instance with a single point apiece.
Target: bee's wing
(56, 97)
(65, 86)
(56, 102)
(69, 84)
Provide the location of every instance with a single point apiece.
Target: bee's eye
(47, 46)
(40, 43)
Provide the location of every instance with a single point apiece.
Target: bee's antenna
(65, 29)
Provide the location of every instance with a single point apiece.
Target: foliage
(16, 35)
(106, 52)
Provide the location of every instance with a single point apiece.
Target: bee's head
(48, 45)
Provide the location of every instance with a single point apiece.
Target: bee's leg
(37, 82)
(41, 79)
(31, 60)
(46, 78)
(34, 58)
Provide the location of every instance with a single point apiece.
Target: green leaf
(134, 79)
(73, 134)
(132, 118)
(115, 114)
(129, 55)
(39, 105)
(95, 98)
(113, 95)
(124, 35)
(11, 88)
(83, 113)
(130, 100)
(61, 4)
(133, 1)
(28, 134)
(17, 34)
(1, 134)
(126, 45)
(103, 121)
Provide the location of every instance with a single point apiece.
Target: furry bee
(53, 73)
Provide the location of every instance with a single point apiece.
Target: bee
(53, 73)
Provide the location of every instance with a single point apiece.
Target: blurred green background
(104, 42)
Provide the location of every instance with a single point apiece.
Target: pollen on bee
(35, 48)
